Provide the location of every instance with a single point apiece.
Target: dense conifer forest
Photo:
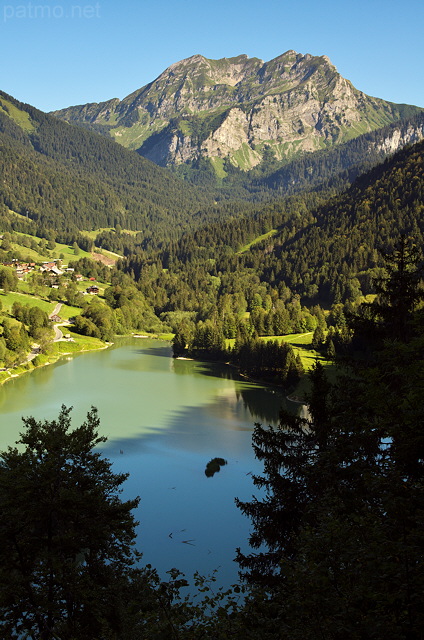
(66, 179)
(314, 253)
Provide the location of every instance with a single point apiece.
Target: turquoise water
(164, 419)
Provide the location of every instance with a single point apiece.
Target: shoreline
(55, 358)
(291, 397)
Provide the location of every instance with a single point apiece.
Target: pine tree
(318, 338)
(287, 453)
(342, 519)
(65, 536)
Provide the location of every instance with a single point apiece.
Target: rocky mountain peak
(229, 71)
(235, 108)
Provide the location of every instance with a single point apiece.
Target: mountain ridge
(236, 108)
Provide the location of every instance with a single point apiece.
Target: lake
(164, 419)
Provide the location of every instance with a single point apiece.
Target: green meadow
(7, 300)
(302, 345)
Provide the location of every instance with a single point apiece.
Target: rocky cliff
(235, 108)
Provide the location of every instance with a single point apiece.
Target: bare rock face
(400, 137)
(236, 108)
(229, 136)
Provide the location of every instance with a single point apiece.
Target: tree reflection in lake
(164, 419)
(263, 403)
(214, 466)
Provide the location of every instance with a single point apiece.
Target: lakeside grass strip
(302, 344)
(77, 344)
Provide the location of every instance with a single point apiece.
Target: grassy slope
(301, 343)
(7, 300)
(67, 251)
(38, 256)
(21, 117)
(247, 246)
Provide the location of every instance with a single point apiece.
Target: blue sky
(57, 53)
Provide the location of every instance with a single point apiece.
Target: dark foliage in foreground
(343, 513)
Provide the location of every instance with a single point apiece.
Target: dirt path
(34, 353)
(109, 262)
(56, 310)
(58, 335)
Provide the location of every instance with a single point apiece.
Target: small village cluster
(54, 269)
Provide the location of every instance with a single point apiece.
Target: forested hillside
(302, 251)
(196, 261)
(67, 179)
(352, 230)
